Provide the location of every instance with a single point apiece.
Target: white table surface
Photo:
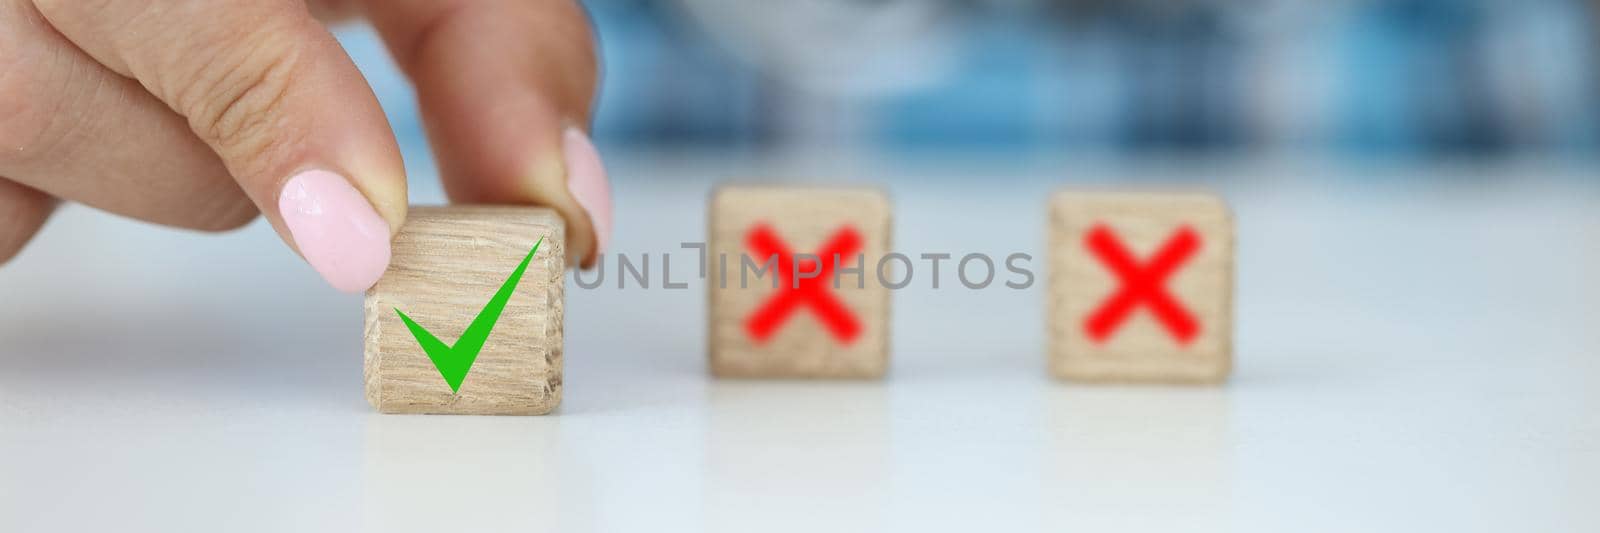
(1417, 349)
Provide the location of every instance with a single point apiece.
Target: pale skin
(203, 114)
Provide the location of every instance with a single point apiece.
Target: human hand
(202, 114)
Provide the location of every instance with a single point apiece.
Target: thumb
(505, 89)
(270, 90)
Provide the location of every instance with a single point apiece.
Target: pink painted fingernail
(586, 179)
(336, 229)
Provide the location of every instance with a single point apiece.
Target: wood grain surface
(1141, 349)
(804, 218)
(447, 263)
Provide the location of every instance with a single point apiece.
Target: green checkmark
(453, 362)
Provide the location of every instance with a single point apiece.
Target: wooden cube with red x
(1141, 287)
(795, 284)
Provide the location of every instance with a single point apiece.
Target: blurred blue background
(1362, 79)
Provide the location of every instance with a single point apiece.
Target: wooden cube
(832, 324)
(448, 263)
(1141, 287)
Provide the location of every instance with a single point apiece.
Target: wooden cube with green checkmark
(468, 318)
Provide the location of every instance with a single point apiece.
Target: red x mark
(1142, 284)
(809, 291)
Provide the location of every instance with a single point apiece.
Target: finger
(505, 89)
(22, 211)
(332, 11)
(75, 130)
(274, 95)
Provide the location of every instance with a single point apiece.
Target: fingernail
(586, 179)
(336, 229)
